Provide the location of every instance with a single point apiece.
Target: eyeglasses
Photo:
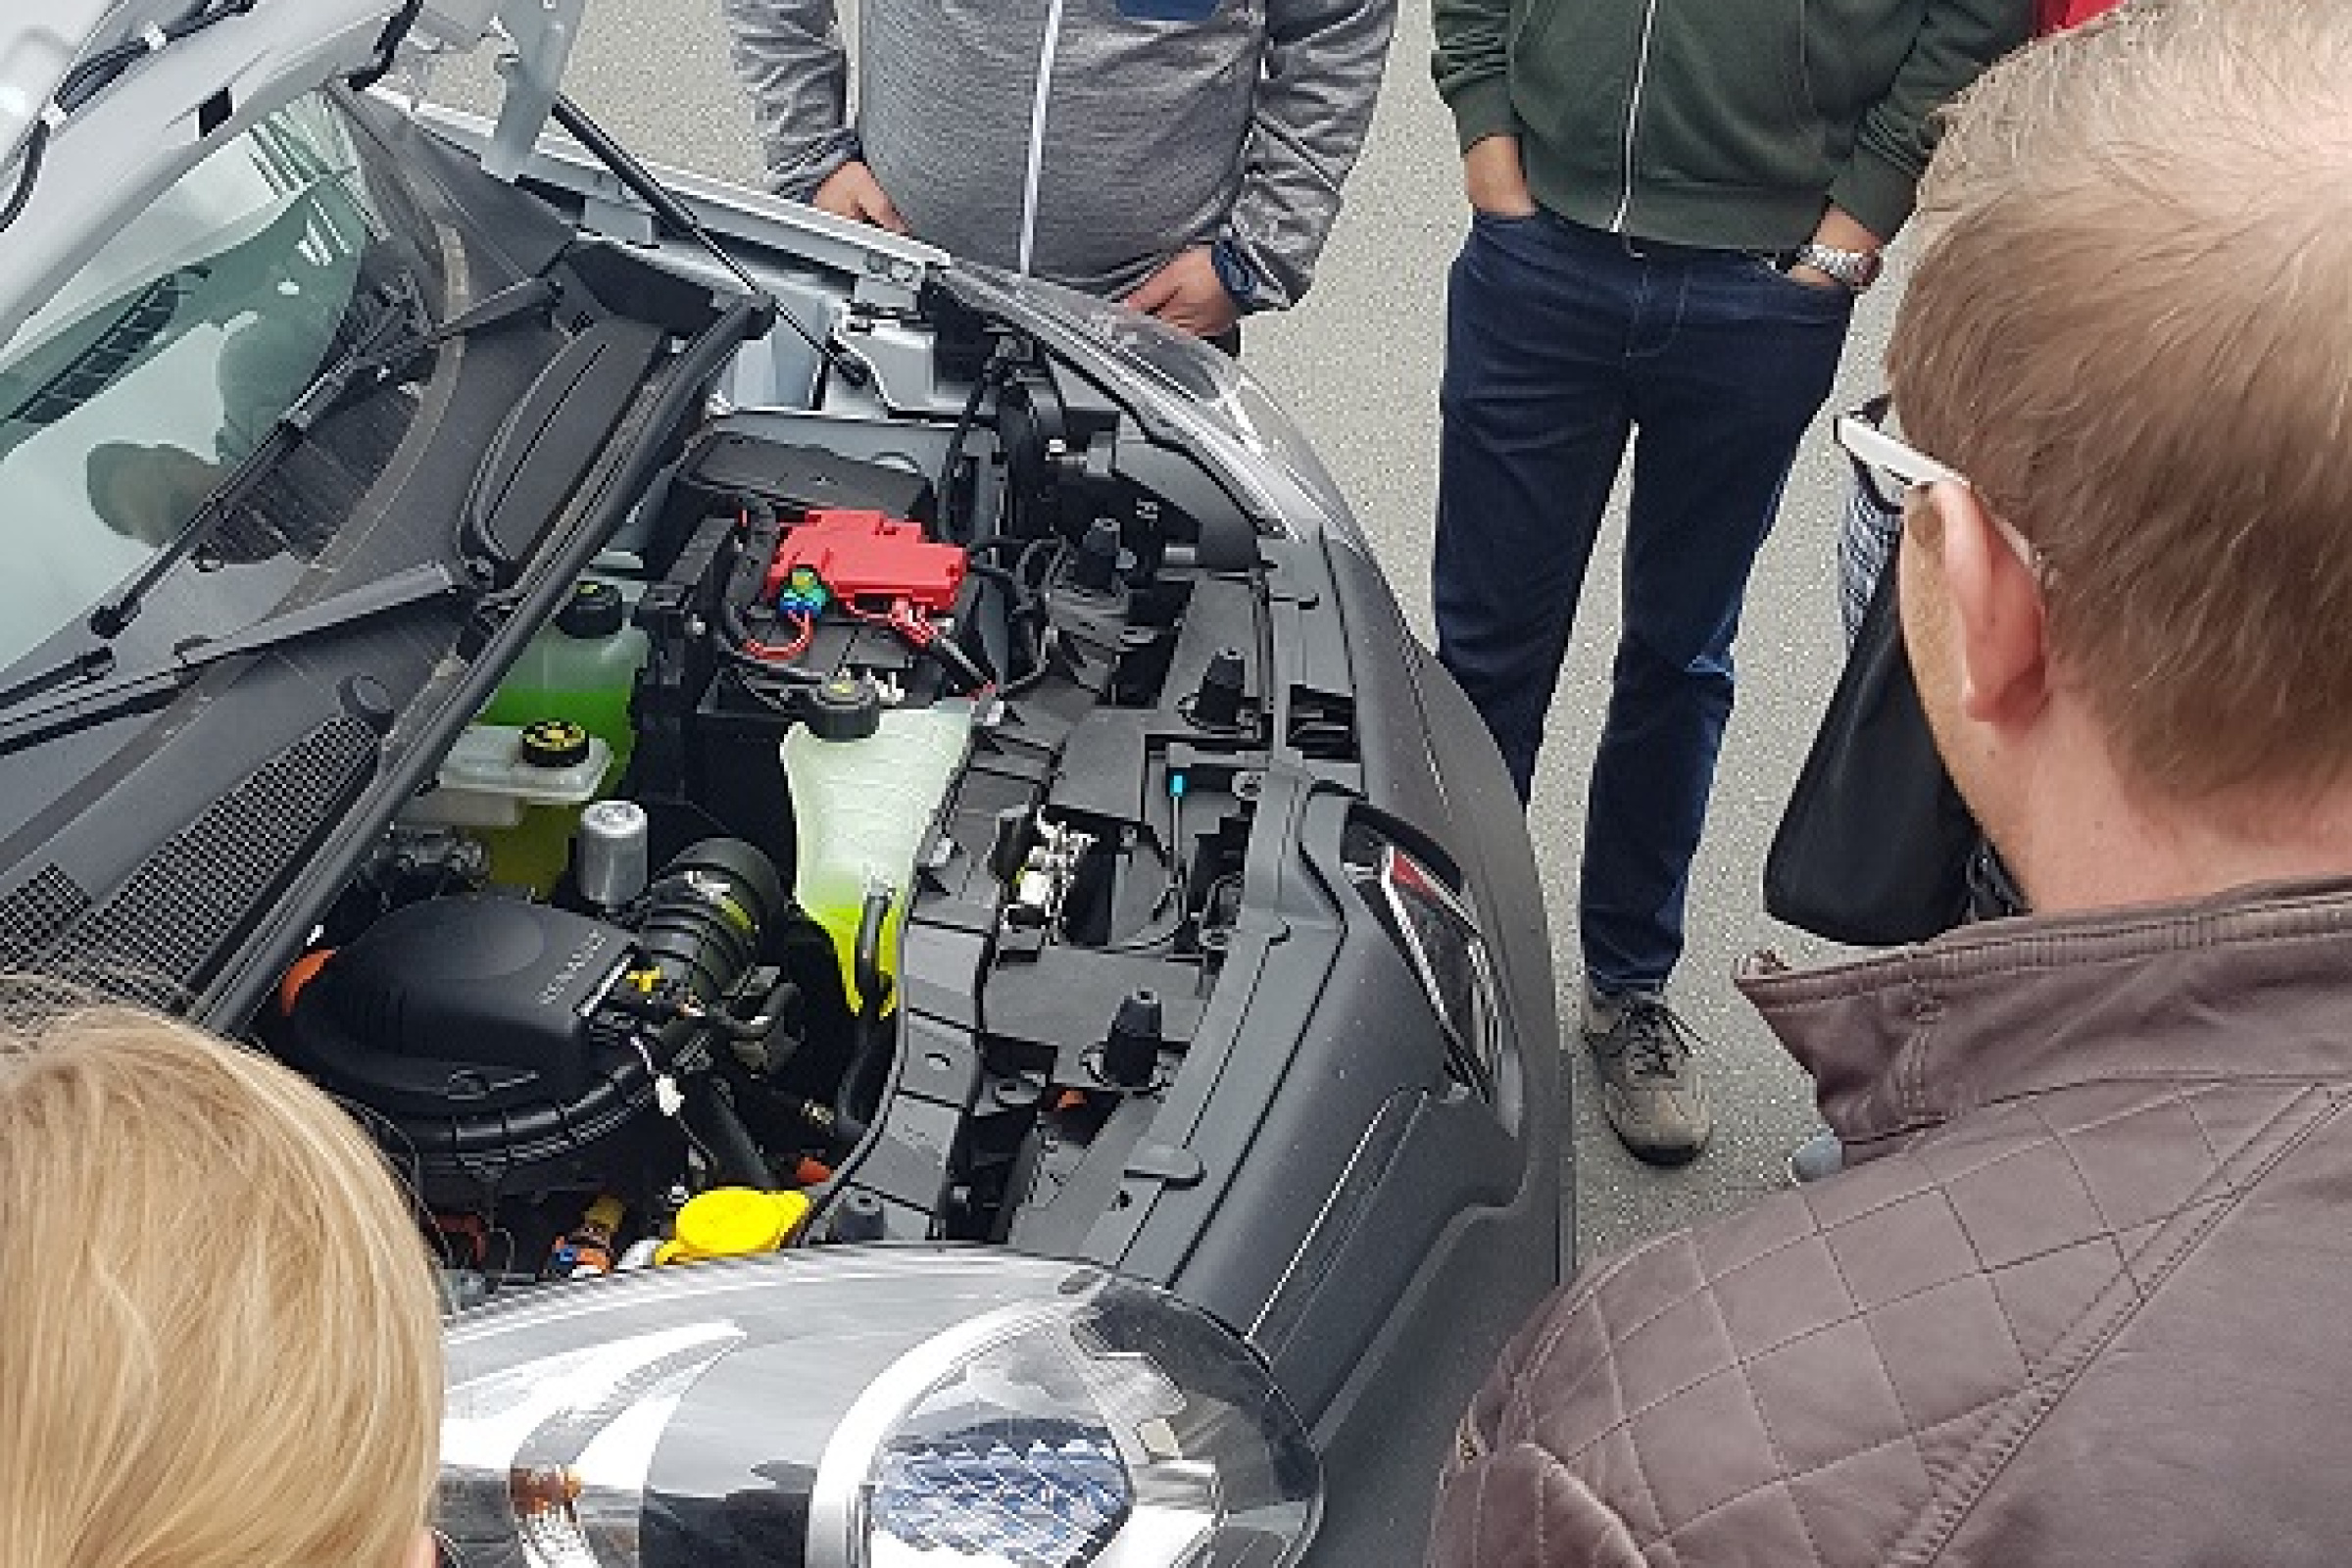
(1889, 468)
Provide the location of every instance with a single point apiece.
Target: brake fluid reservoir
(861, 807)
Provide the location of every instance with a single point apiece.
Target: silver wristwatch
(1856, 269)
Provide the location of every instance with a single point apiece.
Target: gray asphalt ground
(1357, 364)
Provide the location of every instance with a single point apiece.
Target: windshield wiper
(112, 695)
(389, 346)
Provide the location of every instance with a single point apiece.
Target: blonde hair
(221, 1344)
(2132, 328)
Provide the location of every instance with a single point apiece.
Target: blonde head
(220, 1346)
(2132, 328)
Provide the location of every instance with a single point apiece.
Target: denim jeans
(1563, 342)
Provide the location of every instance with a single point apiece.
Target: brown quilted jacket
(2084, 1296)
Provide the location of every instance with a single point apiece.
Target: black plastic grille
(153, 938)
(32, 915)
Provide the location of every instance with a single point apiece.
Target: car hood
(39, 50)
(83, 145)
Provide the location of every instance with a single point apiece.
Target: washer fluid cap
(735, 1222)
(595, 609)
(553, 743)
(843, 708)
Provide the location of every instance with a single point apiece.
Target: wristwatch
(1235, 272)
(1856, 269)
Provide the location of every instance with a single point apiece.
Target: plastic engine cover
(478, 1003)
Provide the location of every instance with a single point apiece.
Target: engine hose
(705, 917)
(710, 1119)
(957, 662)
(873, 1047)
(873, 982)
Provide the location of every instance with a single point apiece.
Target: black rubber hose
(873, 1047)
(955, 442)
(711, 1120)
(958, 664)
(874, 985)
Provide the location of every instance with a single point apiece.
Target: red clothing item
(2050, 16)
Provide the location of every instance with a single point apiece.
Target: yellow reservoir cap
(734, 1222)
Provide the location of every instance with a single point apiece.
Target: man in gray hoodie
(1183, 155)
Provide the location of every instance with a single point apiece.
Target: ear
(1998, 615)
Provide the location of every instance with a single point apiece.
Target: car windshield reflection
(165, 360)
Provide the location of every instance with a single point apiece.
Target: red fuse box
(868, 556)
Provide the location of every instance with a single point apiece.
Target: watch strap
(1856, 269)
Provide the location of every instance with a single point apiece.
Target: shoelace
(1656, 1045)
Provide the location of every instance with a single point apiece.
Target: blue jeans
(1561, 343)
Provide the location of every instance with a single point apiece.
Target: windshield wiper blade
(389, 345)
(84, 665)
(110, 697)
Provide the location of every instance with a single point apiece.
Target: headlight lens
(866, 1409)
(1439, 932)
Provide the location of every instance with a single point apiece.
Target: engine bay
(851, 859)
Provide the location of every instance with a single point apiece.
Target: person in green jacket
(1674, 204)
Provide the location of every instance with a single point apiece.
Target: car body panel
(1302, 1163)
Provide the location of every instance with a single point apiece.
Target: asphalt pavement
(1357, 365)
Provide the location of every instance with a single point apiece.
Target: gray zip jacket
(1083, 141)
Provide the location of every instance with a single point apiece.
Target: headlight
(1439, 932)
(888, 1409)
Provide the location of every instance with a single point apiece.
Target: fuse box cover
(869, 555)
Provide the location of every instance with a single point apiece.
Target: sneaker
(1818, 1156)
(1650, 1086)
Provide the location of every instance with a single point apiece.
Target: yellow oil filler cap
(734, 1222)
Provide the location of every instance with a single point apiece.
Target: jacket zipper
(1633, 116)
(1037, 135)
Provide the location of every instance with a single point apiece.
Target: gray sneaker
(1649, 1085)
(1817, 1158)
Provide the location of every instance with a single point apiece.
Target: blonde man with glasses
(2074, 1299)
(220, 1346)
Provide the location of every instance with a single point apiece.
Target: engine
(850, 857)
(506, 1046)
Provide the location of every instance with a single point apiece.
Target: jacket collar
(2252, 983)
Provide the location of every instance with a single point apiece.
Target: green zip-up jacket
(1725, 124)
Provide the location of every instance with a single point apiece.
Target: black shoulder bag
(1874, 846)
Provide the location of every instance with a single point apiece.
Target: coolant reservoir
(861, 808)
(580, 668)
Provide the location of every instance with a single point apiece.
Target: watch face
(1239, 280)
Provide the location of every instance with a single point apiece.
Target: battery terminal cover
(861, 557)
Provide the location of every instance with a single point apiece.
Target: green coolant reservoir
(578, 671)
(580, 668)
(861, 807)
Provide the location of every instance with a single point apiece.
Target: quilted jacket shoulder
(1942, 1356)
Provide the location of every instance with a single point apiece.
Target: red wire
(792, 649)
(903, 619)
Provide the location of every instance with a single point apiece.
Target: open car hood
(176, 77)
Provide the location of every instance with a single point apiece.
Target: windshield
(168, 358)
